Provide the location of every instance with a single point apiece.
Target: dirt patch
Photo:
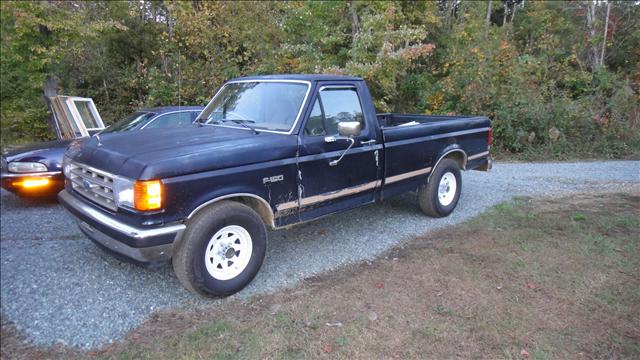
(529, 279)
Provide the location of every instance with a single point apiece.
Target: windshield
(130, 122)
(260, 105)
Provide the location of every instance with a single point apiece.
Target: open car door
(75, 117)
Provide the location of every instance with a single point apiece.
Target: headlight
(66, 166)
(123, 191)
(139, 195)
(26, 167)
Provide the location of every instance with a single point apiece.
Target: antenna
(179, 80)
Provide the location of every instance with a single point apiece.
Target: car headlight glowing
(26, 167)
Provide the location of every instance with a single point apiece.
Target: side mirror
(349, 128)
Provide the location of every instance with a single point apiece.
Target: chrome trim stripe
(432, 137)
(339, 193)
(329, 196)
(288, 205)
(304, 101)
(479, 155)
(112, 223)
(400, 177)
(20, 175)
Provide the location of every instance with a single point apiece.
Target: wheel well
(458, 155)
(258, 205)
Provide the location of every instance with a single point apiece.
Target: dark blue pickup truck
(267, 151)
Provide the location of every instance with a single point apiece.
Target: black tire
(428, 193)
(189, 253)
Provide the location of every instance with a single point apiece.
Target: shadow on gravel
(10, 200)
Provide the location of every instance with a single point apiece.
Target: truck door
(334, 177)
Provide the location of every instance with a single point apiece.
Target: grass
(537, 279)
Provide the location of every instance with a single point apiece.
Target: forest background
(558, 79)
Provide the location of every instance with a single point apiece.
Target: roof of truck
(164, 109)
(305, 77)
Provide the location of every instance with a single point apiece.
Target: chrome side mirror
(349, 128)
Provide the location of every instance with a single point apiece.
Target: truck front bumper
(143, 245)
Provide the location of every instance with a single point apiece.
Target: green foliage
(533, 75)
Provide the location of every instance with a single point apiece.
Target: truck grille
(95, 185)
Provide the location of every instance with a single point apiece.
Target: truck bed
(414, 143)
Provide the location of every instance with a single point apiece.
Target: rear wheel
(439, 196)
(221, 250)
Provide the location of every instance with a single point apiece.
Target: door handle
(368, 142)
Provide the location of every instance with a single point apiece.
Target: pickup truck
(266, 152)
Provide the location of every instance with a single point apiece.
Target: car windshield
(260, 105)
(130, 122)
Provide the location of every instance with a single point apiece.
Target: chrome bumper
(121, 238)
(8, 175)
(143, 255)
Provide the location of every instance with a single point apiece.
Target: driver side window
(332, 106)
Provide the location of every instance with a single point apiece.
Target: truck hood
(164, 153)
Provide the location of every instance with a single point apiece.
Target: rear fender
(453, 151)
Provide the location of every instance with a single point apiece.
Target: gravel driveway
(56, 286)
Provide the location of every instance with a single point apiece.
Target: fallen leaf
(379, 285)
(327, 348)
(524, 353)
(532, 285)
(335, 324)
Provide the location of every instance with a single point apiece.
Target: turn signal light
(32, 183)
(147, 195)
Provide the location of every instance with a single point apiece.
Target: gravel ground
(56, 286)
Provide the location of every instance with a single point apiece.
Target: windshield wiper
(242, 122)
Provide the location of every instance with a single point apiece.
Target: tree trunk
(604, 38)
(591, 28)
(506, 11)
(488, 21)
(355, 24)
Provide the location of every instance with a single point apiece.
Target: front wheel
(439, 196)
(222, 249)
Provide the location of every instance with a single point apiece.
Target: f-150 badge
(273, 179)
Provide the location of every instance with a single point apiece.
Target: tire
(436, 203)
(221, 250)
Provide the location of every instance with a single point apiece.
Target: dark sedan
(36, 170)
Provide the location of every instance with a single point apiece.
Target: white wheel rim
(447, 189)
(228, 252)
